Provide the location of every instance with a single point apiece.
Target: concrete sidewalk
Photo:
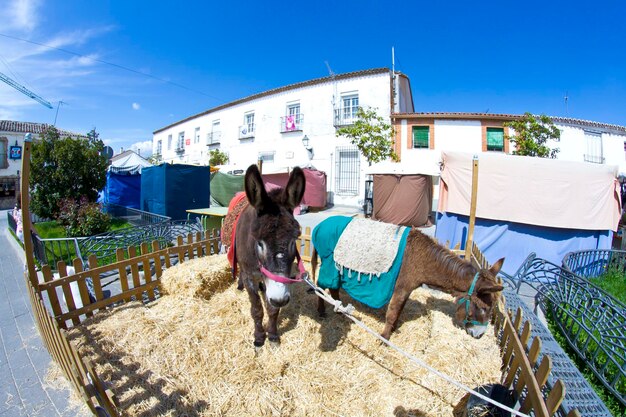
(24, 360)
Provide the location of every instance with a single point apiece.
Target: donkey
(265, 248)
(424, 262)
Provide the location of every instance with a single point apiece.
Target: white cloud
(21, 15)
(136, 106)
(142, 148)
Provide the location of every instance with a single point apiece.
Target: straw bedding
(190, 353)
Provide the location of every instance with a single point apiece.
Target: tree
(65, 168)
(531, 135)
(217, 157)
(371, 135)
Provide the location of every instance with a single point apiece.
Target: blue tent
(171, 189)
(123, 189)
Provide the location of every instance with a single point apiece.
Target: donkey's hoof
(322, 315)
(275, 344)
(240, 287)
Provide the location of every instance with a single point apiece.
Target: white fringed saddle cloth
(368, 247)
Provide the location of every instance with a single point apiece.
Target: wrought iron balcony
(596, 159)
(345, 116)
(291, 123)
(213, 138)
(180, 149)
(246, 131)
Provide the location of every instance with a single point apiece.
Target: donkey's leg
(272, 324)
(256, 310)
(398, 300)
(321, 305)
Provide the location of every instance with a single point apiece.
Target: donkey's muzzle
(279, 303)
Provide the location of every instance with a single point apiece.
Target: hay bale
(185, 355)
(197, 278)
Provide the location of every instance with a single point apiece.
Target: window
(159, 147)
(267, 157)
(350, 105)
(181, 141)
(293, 120)
(347, 170)
(215, 135)
(495, 139)
(196, 136)
(421, 137)
(4, 153)
(169, 142)
(247, 129)
(594, 147)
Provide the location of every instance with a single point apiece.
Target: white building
(420, 138)
(271, 126)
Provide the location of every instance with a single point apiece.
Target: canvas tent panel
(224, 187)
(515, 241)
(402, 199)
(171, 189)
(123, 190)
(315, 190)
(536, 191)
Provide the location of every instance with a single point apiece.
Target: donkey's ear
(294, 191)
(490, 289)
(255, 189)
(495, 268)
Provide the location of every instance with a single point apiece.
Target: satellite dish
(107, 151)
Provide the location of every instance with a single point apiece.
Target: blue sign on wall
(15, 152)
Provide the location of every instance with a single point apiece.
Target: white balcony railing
(345, 116)
(246, 131)
(213, 138)
(291, 123)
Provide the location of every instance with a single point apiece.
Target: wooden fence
(139, 278)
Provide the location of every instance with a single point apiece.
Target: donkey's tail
(313, 264)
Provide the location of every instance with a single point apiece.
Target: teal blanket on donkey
(372, 290)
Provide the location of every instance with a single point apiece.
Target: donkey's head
(275, 231)
(474, 307)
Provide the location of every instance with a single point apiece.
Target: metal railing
(133, 216)
(213, 138)
(246, 131)
(291, 123)
(594, 263)
(591, 320)
(345, 116)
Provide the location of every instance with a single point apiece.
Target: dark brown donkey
(426, 262)
(265, 248)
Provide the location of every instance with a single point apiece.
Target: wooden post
(472, 219)
(259, 163)
(25, 203)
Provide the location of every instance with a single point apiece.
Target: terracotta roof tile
(31, 127)
(295, 86)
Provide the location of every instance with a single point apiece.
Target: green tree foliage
(531, 135)
(65, 168)
(371, 135)
(82, 218)
(217, 157)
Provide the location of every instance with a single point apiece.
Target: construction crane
(24, 90)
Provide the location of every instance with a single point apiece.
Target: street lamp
(305, 143)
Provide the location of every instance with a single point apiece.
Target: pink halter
(285, 280)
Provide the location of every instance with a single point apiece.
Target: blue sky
(500, 57)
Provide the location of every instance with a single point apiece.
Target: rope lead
(349, 309)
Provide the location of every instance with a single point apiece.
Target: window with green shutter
(495, 139)
(421, 137)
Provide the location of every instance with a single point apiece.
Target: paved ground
(25, 389)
